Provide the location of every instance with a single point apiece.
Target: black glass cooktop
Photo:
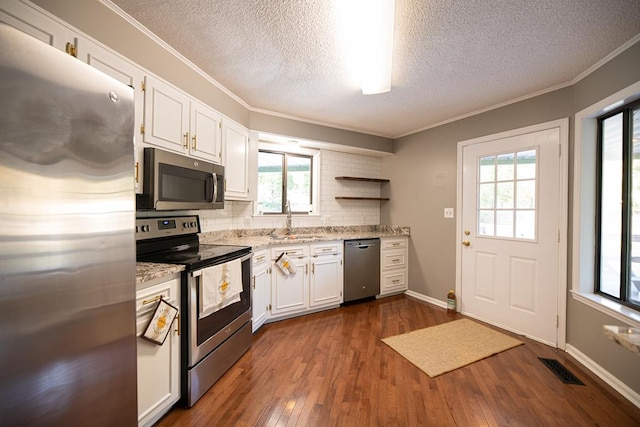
(196, 256)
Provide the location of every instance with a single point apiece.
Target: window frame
(625, 239)
(297, 151)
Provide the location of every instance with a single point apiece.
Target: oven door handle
(198, 272)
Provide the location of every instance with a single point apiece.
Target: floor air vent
(561, 372)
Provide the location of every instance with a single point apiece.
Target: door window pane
(505, 167)
(486, 223)
(525, 224)
(488, 169)
(526, 164)
(487, 196)
(504, 223)
(507, 195)
(526, 194)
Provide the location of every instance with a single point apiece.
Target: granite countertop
(261, 238)
(627, 337)
(147, 271)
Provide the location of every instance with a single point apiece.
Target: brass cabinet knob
(466, 243)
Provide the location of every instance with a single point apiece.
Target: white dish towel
(220, 286)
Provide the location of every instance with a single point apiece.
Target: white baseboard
(598, 370)
(604, 375)
(425, 298)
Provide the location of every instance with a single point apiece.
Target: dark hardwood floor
(331, 369)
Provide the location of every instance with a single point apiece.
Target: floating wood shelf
(361, 198)
(353, 178)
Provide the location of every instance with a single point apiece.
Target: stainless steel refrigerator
(67, 247)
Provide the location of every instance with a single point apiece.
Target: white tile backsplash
(239, 215)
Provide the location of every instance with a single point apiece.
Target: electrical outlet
(364, 220)
(448, 212)
(326, 219)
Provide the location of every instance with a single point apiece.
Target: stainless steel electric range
(217, 330)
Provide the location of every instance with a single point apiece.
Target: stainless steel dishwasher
(361, 269)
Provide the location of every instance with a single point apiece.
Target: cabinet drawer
(394, 243)
(260, 258)
(147, 300)
(394, 281)
(326, 248)
(393, 259)
(292, 251)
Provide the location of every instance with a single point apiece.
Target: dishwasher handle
(363, 246)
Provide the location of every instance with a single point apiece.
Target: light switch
(448, 212)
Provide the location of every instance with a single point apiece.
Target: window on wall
(285, 176)
(618, 205)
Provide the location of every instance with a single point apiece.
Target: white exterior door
(511, 228)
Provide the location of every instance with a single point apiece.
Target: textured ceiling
(451, 58)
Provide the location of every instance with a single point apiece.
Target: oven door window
(215, 322)
(184, 185)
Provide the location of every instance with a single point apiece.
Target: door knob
(466, 243)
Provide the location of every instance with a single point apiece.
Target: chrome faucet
(287, 209)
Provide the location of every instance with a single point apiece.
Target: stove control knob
(193, 224)
(185, 225)
(145, 228)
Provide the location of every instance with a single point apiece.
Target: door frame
(563, 126)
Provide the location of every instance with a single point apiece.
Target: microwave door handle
(214, 178)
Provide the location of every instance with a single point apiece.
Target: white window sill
(611, 308)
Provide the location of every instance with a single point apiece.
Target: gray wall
(423, 182)
(99, 22)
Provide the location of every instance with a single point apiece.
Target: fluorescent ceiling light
(367, 33)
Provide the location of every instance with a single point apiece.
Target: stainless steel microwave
(176, 182)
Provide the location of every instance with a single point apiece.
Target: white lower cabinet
(260, 289)
(290, 292)
(394, 264)
(326, 282)
(158, 365)
(316, 284)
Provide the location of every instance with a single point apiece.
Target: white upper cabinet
(166, 116)
(205, 132)
(38, 25)
(235, 140)
(177, 122)
(129, 74)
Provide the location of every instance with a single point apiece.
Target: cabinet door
(38, 25)
(206, 133)
(130, 75)
(326, 280)
(158, 365)
(166, 116)
(289, 294)
(260, 293)
(236, 160)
